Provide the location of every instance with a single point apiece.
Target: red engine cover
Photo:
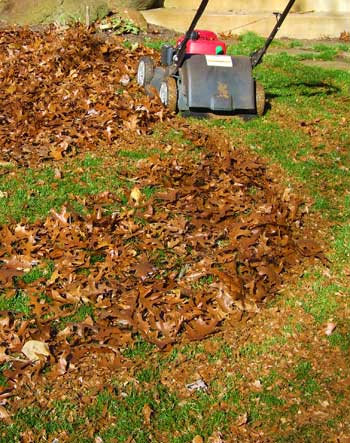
(206, 42)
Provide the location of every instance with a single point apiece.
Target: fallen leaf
(35, 350)
(330, 328)
(147, 413)
(4, 415)
(144, 269)
(242, 419)
(136, 196)
(198, 385)
(216, 437)
(257, 384)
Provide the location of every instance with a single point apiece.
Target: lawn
(175, 280)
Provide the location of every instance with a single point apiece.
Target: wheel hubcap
(141, 73)
(163, 93)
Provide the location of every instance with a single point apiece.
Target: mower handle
(257, 56)
(181, 51)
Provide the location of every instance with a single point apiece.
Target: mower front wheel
(259, 99)
(168, 93)
(145, 71)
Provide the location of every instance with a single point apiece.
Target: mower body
(198, 76)
(208, 80)
(216, 83)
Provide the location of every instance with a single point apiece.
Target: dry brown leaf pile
(64, 92)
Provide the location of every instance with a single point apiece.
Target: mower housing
(217, 83)
(205, 83)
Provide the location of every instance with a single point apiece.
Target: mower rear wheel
(259, 98)
(145, 71)
(168, 93)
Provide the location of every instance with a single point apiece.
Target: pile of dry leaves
(66, 91)
(214, 240)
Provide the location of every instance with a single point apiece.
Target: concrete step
(310, 25)
(254, 6)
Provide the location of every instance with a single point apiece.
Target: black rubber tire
(260, 99)
(145, 71)
(168, 93)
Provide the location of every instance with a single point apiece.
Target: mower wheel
(168, 93)
(259, 98)
(145, 71)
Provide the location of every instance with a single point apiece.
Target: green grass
(38, 272)
(248, 43)
(124, 408)
(340, 339)
(157, 44)
(322, 51)
(304, 90)
(305, 379)
(140, 349)
(16, 303)
(284, 76)
(327, 54)
(306, 94)
(32, 193)
(172, 136)
(137, 154)
(324, 304)
(80, 314)
(3, 379)
(258, 349)
(62, 417)
(342, 243)
(295, 44)
(172, 419)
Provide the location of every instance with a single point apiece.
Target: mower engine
(203, 42)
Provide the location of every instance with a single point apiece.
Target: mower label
(219, 60)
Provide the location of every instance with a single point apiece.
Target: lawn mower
(197, 76)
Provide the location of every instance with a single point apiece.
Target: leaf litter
(216, 239)
(64, 91)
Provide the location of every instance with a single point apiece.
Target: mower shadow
(205, 115)
(307, 89)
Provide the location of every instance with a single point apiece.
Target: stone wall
(333, 6)
(64, 11)
(257, 6)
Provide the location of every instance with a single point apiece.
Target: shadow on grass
(307, 90)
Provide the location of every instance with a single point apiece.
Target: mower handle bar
(181, 51)
(256, 57)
